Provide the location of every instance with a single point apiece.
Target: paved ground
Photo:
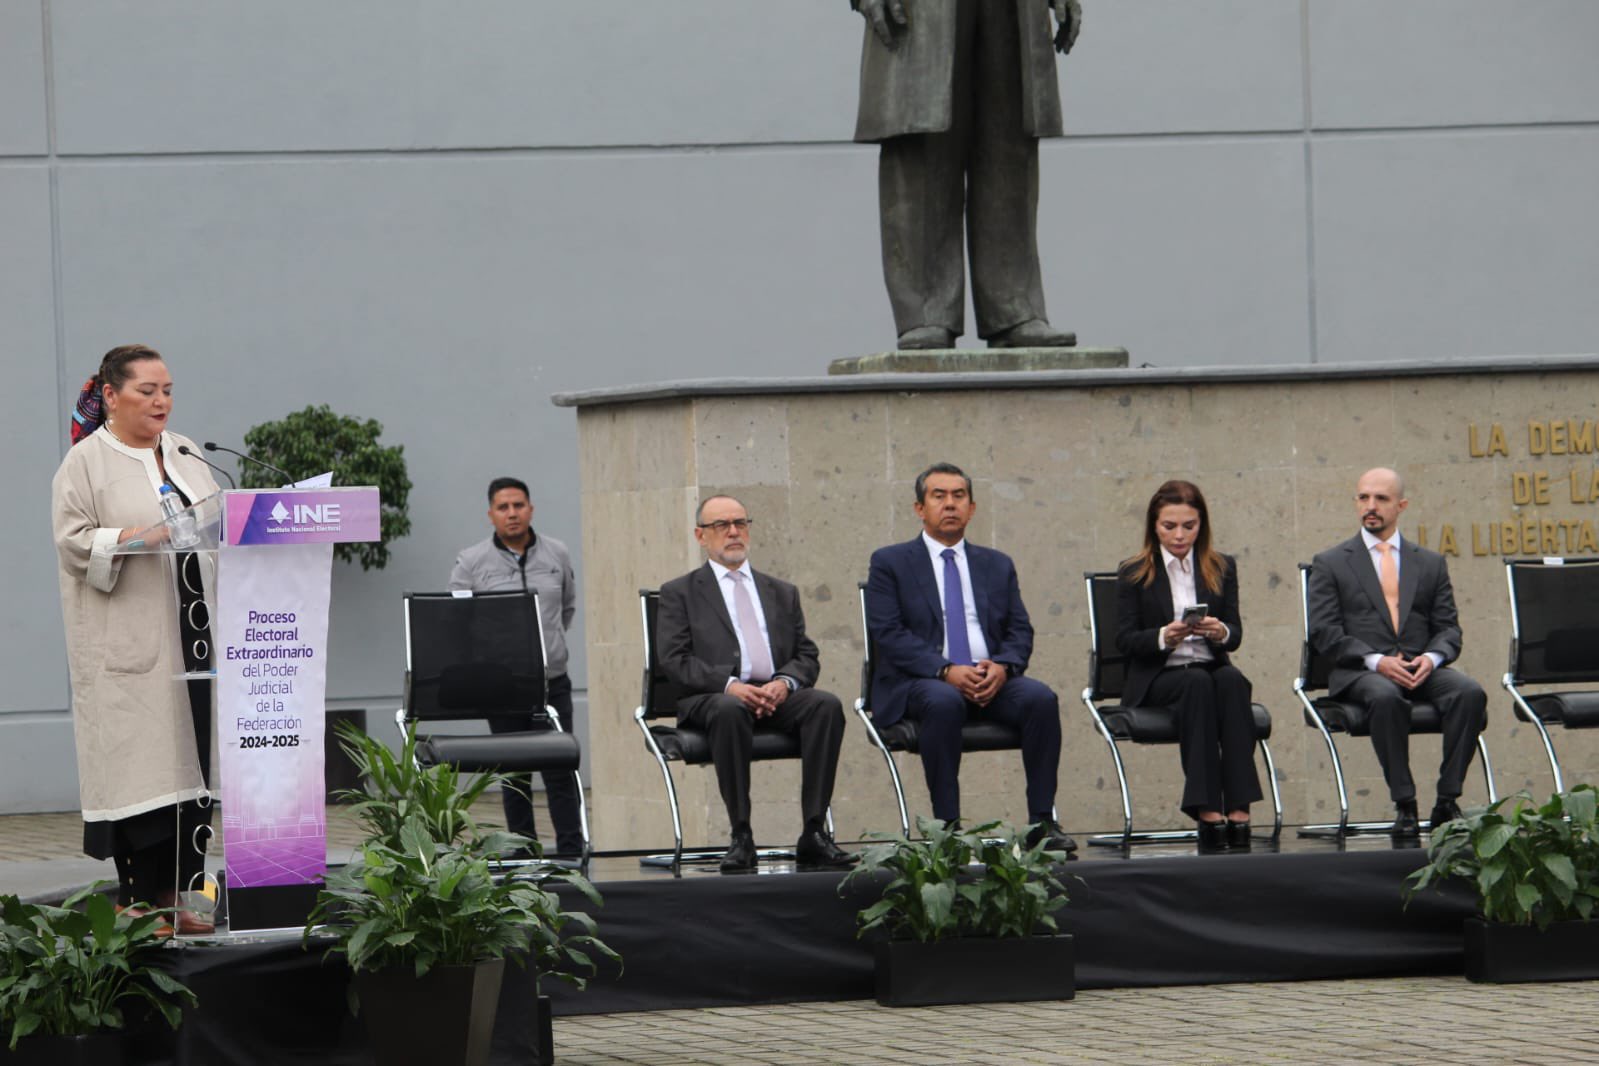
(1410, 1020)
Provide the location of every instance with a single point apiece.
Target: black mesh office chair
(670, 743)
(478, 656)
(1554, 640)
(1328, 716)
(903, 735)
(1107, 675)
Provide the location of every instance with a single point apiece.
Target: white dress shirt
(1180, 574)
(974, 631)
(1376, 562)
(726, 583)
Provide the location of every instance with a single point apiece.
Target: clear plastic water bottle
(179, 519)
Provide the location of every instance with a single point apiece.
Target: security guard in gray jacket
(516, 559)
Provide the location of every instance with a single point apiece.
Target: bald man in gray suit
(1384, 610)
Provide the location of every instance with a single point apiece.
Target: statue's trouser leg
(921, 188)
(1002, 176)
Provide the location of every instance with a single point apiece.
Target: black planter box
(96, 1049)
(1497, 953)
(443, 1019)
(977, 970)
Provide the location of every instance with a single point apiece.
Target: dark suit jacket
(906, 618)
(1142, 610)
(1349, 617)
(698, 648)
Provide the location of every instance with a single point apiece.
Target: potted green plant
(316, 440)
(71, 975)
(1535, 872)
(423, 919)
(966, 916)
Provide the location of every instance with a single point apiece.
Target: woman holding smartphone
(1177, 623)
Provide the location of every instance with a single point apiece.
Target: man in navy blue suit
(940, 675)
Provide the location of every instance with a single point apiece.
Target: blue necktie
(960, 648)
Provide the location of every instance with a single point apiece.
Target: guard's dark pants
(560, 786)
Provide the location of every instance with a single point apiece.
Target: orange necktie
(1388, 574)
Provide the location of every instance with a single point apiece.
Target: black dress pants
(816, 716)
(560, 787)
(1461, 702)
(1215, 735)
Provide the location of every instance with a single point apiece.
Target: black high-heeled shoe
(1212, 837)
(1238, 835)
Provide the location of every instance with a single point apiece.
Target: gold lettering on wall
(1496, 441)
(1520, 533)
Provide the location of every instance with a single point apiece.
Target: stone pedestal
(1064, 464)
(982, 360)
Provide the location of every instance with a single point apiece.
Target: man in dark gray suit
(958, 92)
(1384, 610)
(734, 640)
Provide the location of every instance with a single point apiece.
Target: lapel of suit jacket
(922, 565)
(1160, 593)
(1358, 556)
(1409, 577)
(977, 566)
(705, 587)
(777, 629)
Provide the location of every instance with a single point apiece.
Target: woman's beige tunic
(130, 713)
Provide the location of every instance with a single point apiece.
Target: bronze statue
(958, 92)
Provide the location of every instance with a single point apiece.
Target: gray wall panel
(33, 657)
(37, 765)
(449, 297)
(22, 110)
(1173, 66)
(193, 75)
(1184, 252)
(1376, 63)
(1456, 245)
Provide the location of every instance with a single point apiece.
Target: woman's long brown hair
(1145, 564)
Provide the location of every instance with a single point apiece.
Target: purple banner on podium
(271, 637)
(303, 516)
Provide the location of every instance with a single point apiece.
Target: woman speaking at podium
(1177, 621)
(134, 623)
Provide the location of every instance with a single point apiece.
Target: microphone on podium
(184, 449)
(213, 446)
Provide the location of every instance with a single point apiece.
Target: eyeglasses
(722, 525)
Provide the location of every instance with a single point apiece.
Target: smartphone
(1195, 613)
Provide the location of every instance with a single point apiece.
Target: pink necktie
(750, 627)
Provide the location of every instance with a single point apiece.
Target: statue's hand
(879, 13)
(1069, 13)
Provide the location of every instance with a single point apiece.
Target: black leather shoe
(1055, 838)
(1237, 836)
(1445, 810)
(740, 856)
(816, 848)
(924, 338)
(1406, 824)
(1212, 837)
(1034, 333)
